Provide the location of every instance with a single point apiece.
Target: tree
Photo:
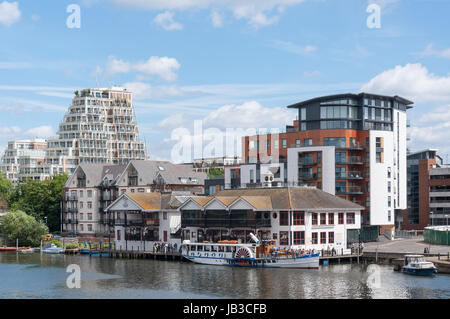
(215, 173)
(19, 225)
(40, 199)
(6, 188)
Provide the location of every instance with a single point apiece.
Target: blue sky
(217, 60)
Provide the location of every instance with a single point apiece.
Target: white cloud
(249, 114)
(292, 48)
(165, 20)
(217, 19)
(45, 131)
(164, 67)
(173, 121)
(114, 66)
(412, 81)
(9, 13)
(254, 11)
(430, 51)
(143, 91)
(9, 130)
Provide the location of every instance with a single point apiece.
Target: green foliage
(40, 199)
(6, 188)
(72, 246)
(215, 173)
(18, 225)
(56, 242)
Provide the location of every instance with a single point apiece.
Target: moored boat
(25, 250)
(6, 249)
(261, 254)
(417, 265)
(52, 249)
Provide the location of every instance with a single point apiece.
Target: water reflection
(44, 276)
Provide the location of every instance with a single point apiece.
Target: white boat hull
(305, 262)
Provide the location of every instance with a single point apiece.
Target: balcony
(351, 160)
(305, 162)
(152, 221)
(70, 221)
(307, 177)
(352, 190)
(350, 175)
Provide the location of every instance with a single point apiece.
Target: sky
(227, 63)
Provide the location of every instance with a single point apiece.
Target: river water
(44, 276)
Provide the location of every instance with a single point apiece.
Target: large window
(330, 218)
(323, 219)
(299, 238)
(299, 218)
(341, 218)
(314, 238)
(340, 157)
(333, 112)
(334, 141)
(350, 218)
(323, 238)
(314, 218)
(284, 219)
(284, 238)
(331, 237)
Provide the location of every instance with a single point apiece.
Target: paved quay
(413, 246)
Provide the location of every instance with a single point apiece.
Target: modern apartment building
(351, 145)
(99, 127)
(93, 187)
(296, 217)
(440, 196)
(25, 159)
(419, 165)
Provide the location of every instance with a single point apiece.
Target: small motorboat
(26, 250)
(6, 249)
(52, 249)
(417, 265)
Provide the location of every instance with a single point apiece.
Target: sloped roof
(148, 201)
(301, 198)
(259, 202)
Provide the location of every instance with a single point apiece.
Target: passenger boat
(417, 265)
(261, 254)
(52, 249)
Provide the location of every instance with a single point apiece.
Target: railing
(338, 145)
(307, 177)
(308, 162)
(350, 190)
(350, 175)
(226, 223)
(351, 160)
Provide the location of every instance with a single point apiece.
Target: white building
(296, 217)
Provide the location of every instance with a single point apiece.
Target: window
(378, 142)
(89, 227)
(378, 157)
(81, 193)
(334, 141)
(314, 218)
(284, 142)
(389, 215)
(284, 238)
(340, 157)
(389, 201)
(299, 238)
(89, 205)
(284, 219)
(350, 218)
(314, 238)
(389, 172)
(303, 114)
(297, 143)
(330, 218)
(389, 187)
(323, 219)
(331, 237)
(341, 218)
(323, 238)
(81, 204)
(165, 215)
(307, 142)
(89, 216)
(252, 176)
(89, 193)
(299, 218)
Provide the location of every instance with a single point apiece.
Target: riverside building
(296, 217)
(93, 187)
(350, 145)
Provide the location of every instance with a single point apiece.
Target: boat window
(192, 247)
(207, 248)
(221, 249)
(228, 249)
(199, 248)
(213, 248)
